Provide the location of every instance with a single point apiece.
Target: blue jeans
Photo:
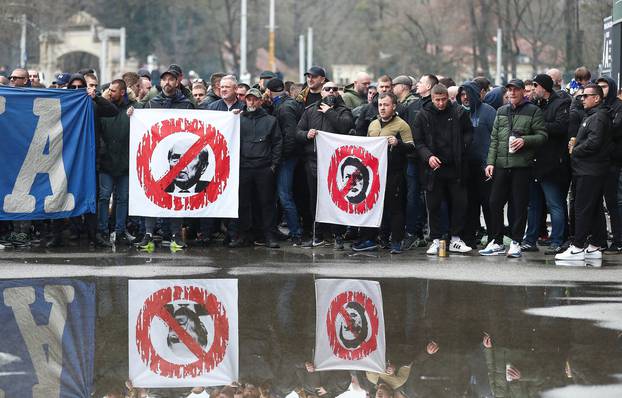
(284, 187)
(555, 199)
(415, 218)
(120, 185)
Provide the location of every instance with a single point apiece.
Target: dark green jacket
(115, 142)
(351, 98)
(527, 121)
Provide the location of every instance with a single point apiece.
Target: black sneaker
(272, 244)
(528, 247)
(121, 239)
(314, 243)
(614, 248)
(100, 241)
(146, 243)
(56, 241)
(409, 242)
(259, 242)
(240, 242)
(384, 242)
(338, 242)
(296, 241)
(20, 239)
(177, 243)
(553, 249)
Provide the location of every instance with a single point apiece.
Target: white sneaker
(572, 253)
(492, 249)
(593, 252)
(514, 250)
(433, 249)
(458, 246)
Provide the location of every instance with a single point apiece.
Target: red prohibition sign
(208, 135)
(370, 162)
(338, 307)
(155, 307)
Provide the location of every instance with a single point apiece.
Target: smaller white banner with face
(351, 179)
(183, 333)
(184, 163)
(349, 327)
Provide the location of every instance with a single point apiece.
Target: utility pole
(301, 58)
(23, 55)
(244, 75)
(310, 47)
(499, 56)
(271, 34)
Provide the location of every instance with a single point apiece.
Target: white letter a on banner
(49, 129)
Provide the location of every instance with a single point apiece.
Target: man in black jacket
(613, 187)
(260, 154)
(415, 207)
(170, 97)
(331, 115)
(443, 133)
(114, 162)
(551, 169)
(590, 159)
(285, 111)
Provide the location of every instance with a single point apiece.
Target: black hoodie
(615, 112)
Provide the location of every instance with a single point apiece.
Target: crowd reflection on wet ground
(445, 338)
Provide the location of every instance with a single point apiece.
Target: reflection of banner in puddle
(183, 333)
(349, 325)
(47, 329)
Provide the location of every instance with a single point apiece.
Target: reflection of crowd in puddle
(443, 340)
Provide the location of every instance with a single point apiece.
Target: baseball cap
(275, 85)
(254, 92)
(170, 72)
(518, 83)
(403, 80)
(316, 71)
(267, 75)
(176, 68)
(62, 78)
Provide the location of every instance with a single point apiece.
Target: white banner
(349, 325)
(184, 163)
(351, 178)
(183, 333)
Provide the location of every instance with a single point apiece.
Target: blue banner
(48, 338)
(47, 152)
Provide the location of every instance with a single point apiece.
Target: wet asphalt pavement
(560, 325)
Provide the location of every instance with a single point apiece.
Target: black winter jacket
(592, 150)
(427, 140)
(286, 111)
(368, 113)
(260, 140)
(552, 157)
(115, 141)
(337, 120)
(177, 101)
(615, 112)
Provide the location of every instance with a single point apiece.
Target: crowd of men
(456, 153)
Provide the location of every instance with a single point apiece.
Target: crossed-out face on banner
(183, 333)
(349, 325)
(351, 179)
(184, 163)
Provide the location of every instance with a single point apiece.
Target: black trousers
(478, 197)
(509, 183)
(256, 191)
(589, 211)
(453, 191)
(393, 209)
(611, 200)
(322, 230)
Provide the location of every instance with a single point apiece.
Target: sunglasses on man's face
(18, 77)
(333, 89)
(76, 86)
